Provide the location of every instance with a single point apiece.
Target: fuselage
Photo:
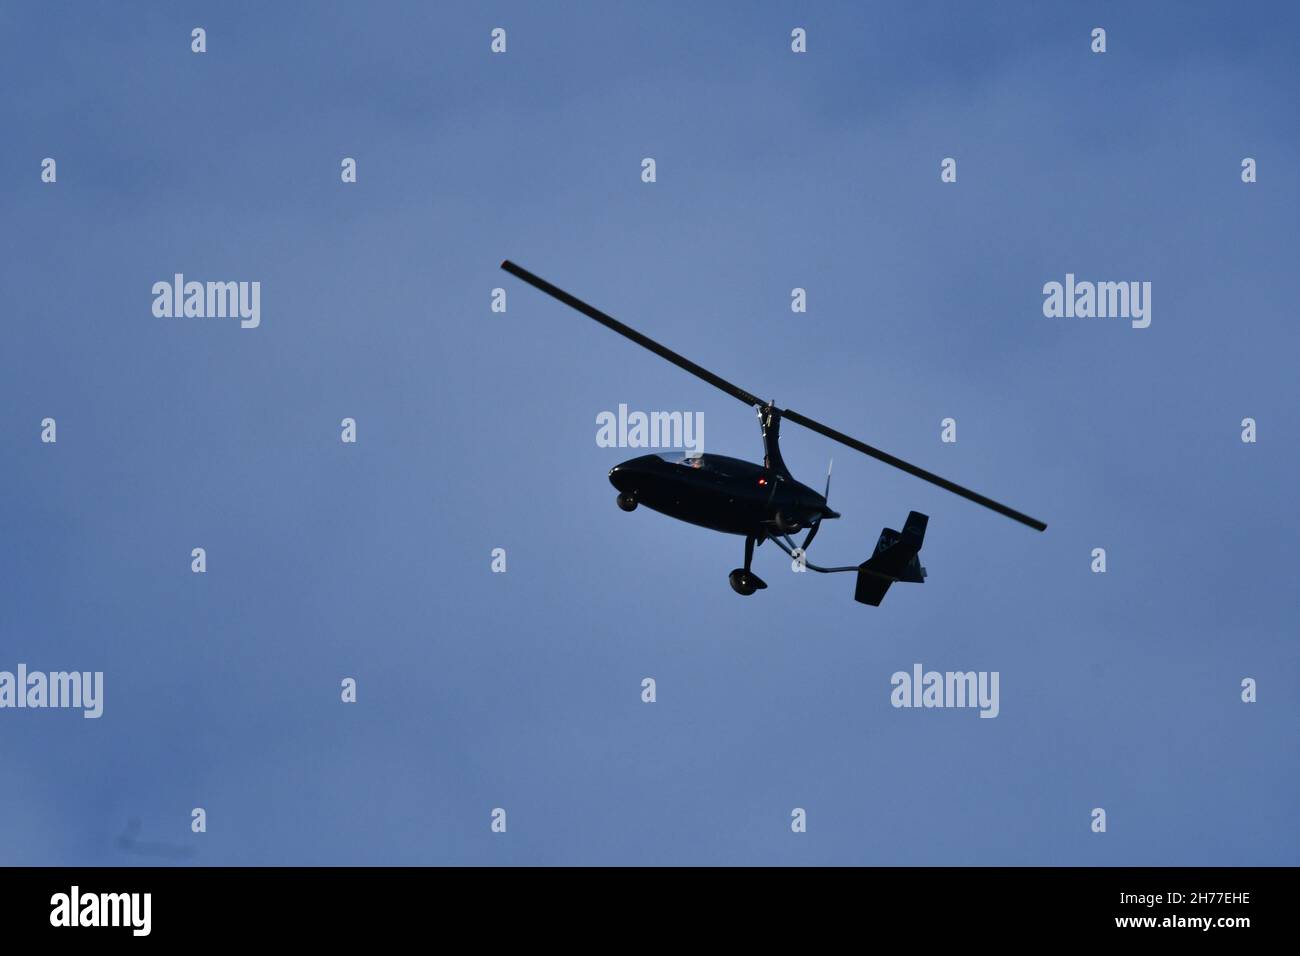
(718, 492)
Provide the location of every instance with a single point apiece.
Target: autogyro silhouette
(762, 502)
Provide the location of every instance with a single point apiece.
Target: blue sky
(477, 430)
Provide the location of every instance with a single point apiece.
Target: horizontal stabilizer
(870, 590)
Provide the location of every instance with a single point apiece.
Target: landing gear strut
(743, 581)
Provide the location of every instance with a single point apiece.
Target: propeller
(826, 497)
(749, 398)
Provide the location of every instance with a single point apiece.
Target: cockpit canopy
(686, 459)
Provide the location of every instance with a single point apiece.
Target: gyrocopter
(762, 501)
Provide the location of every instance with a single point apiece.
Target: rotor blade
(934, 479)
(537, 282)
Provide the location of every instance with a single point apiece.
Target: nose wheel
(744, 581)
(627, 502)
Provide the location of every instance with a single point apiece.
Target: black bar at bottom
(669, 905)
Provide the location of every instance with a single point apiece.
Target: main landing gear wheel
(627, 502)
(745, 582)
